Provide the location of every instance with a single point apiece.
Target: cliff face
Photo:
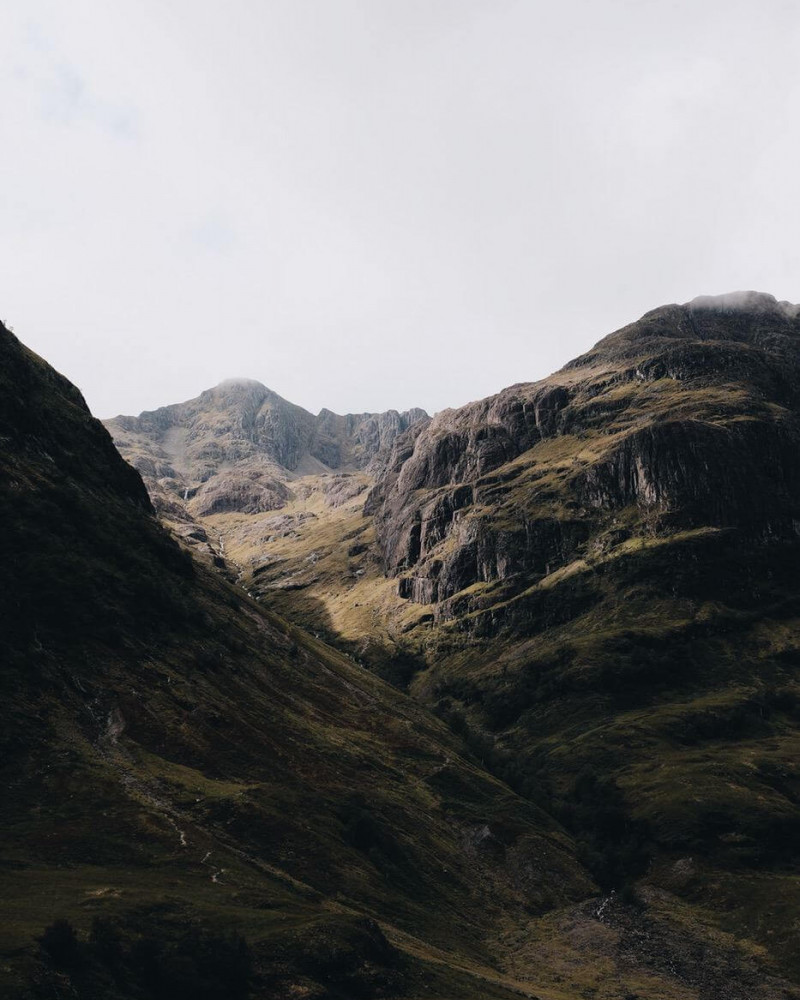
(688, 418)
(234, 448)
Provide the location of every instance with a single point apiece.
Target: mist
(368, 204)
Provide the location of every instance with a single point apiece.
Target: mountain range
(496, 703)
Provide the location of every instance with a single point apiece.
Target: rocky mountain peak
(235, 446)
(238, 393)
(754, 318)
(234, 384)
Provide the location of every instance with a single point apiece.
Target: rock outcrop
(688, 418)
(235, 448)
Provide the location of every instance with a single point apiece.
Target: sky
(368, 204)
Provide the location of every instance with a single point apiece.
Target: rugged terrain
(610, 559)
(175, 757)
(203, 800)
(593, 580)
(238, 446)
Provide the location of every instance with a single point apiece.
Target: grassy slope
(660, 660)
(643, 691)
(171, 749)
(655, 668)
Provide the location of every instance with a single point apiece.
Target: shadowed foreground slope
(175, 761)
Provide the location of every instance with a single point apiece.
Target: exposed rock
(340, 489)
(242, 490)
(689, 416)
(210, 445)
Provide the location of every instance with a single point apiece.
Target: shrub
(162, 962)
(60, 942)
(612, 845)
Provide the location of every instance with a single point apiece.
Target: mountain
(180, 764)
(610, 560)
(593, 580)
(608, 565)
(684, 420)
(235, 447)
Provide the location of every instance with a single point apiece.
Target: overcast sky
(382, 203)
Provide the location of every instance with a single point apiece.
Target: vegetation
(594, 791)
(178, 760)
(152, 961)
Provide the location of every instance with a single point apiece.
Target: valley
(500, 702)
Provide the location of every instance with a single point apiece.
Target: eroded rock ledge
(687, 418)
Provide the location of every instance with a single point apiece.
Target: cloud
(63, 93)
(744, 301)
(381, 204)
(213, 234)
